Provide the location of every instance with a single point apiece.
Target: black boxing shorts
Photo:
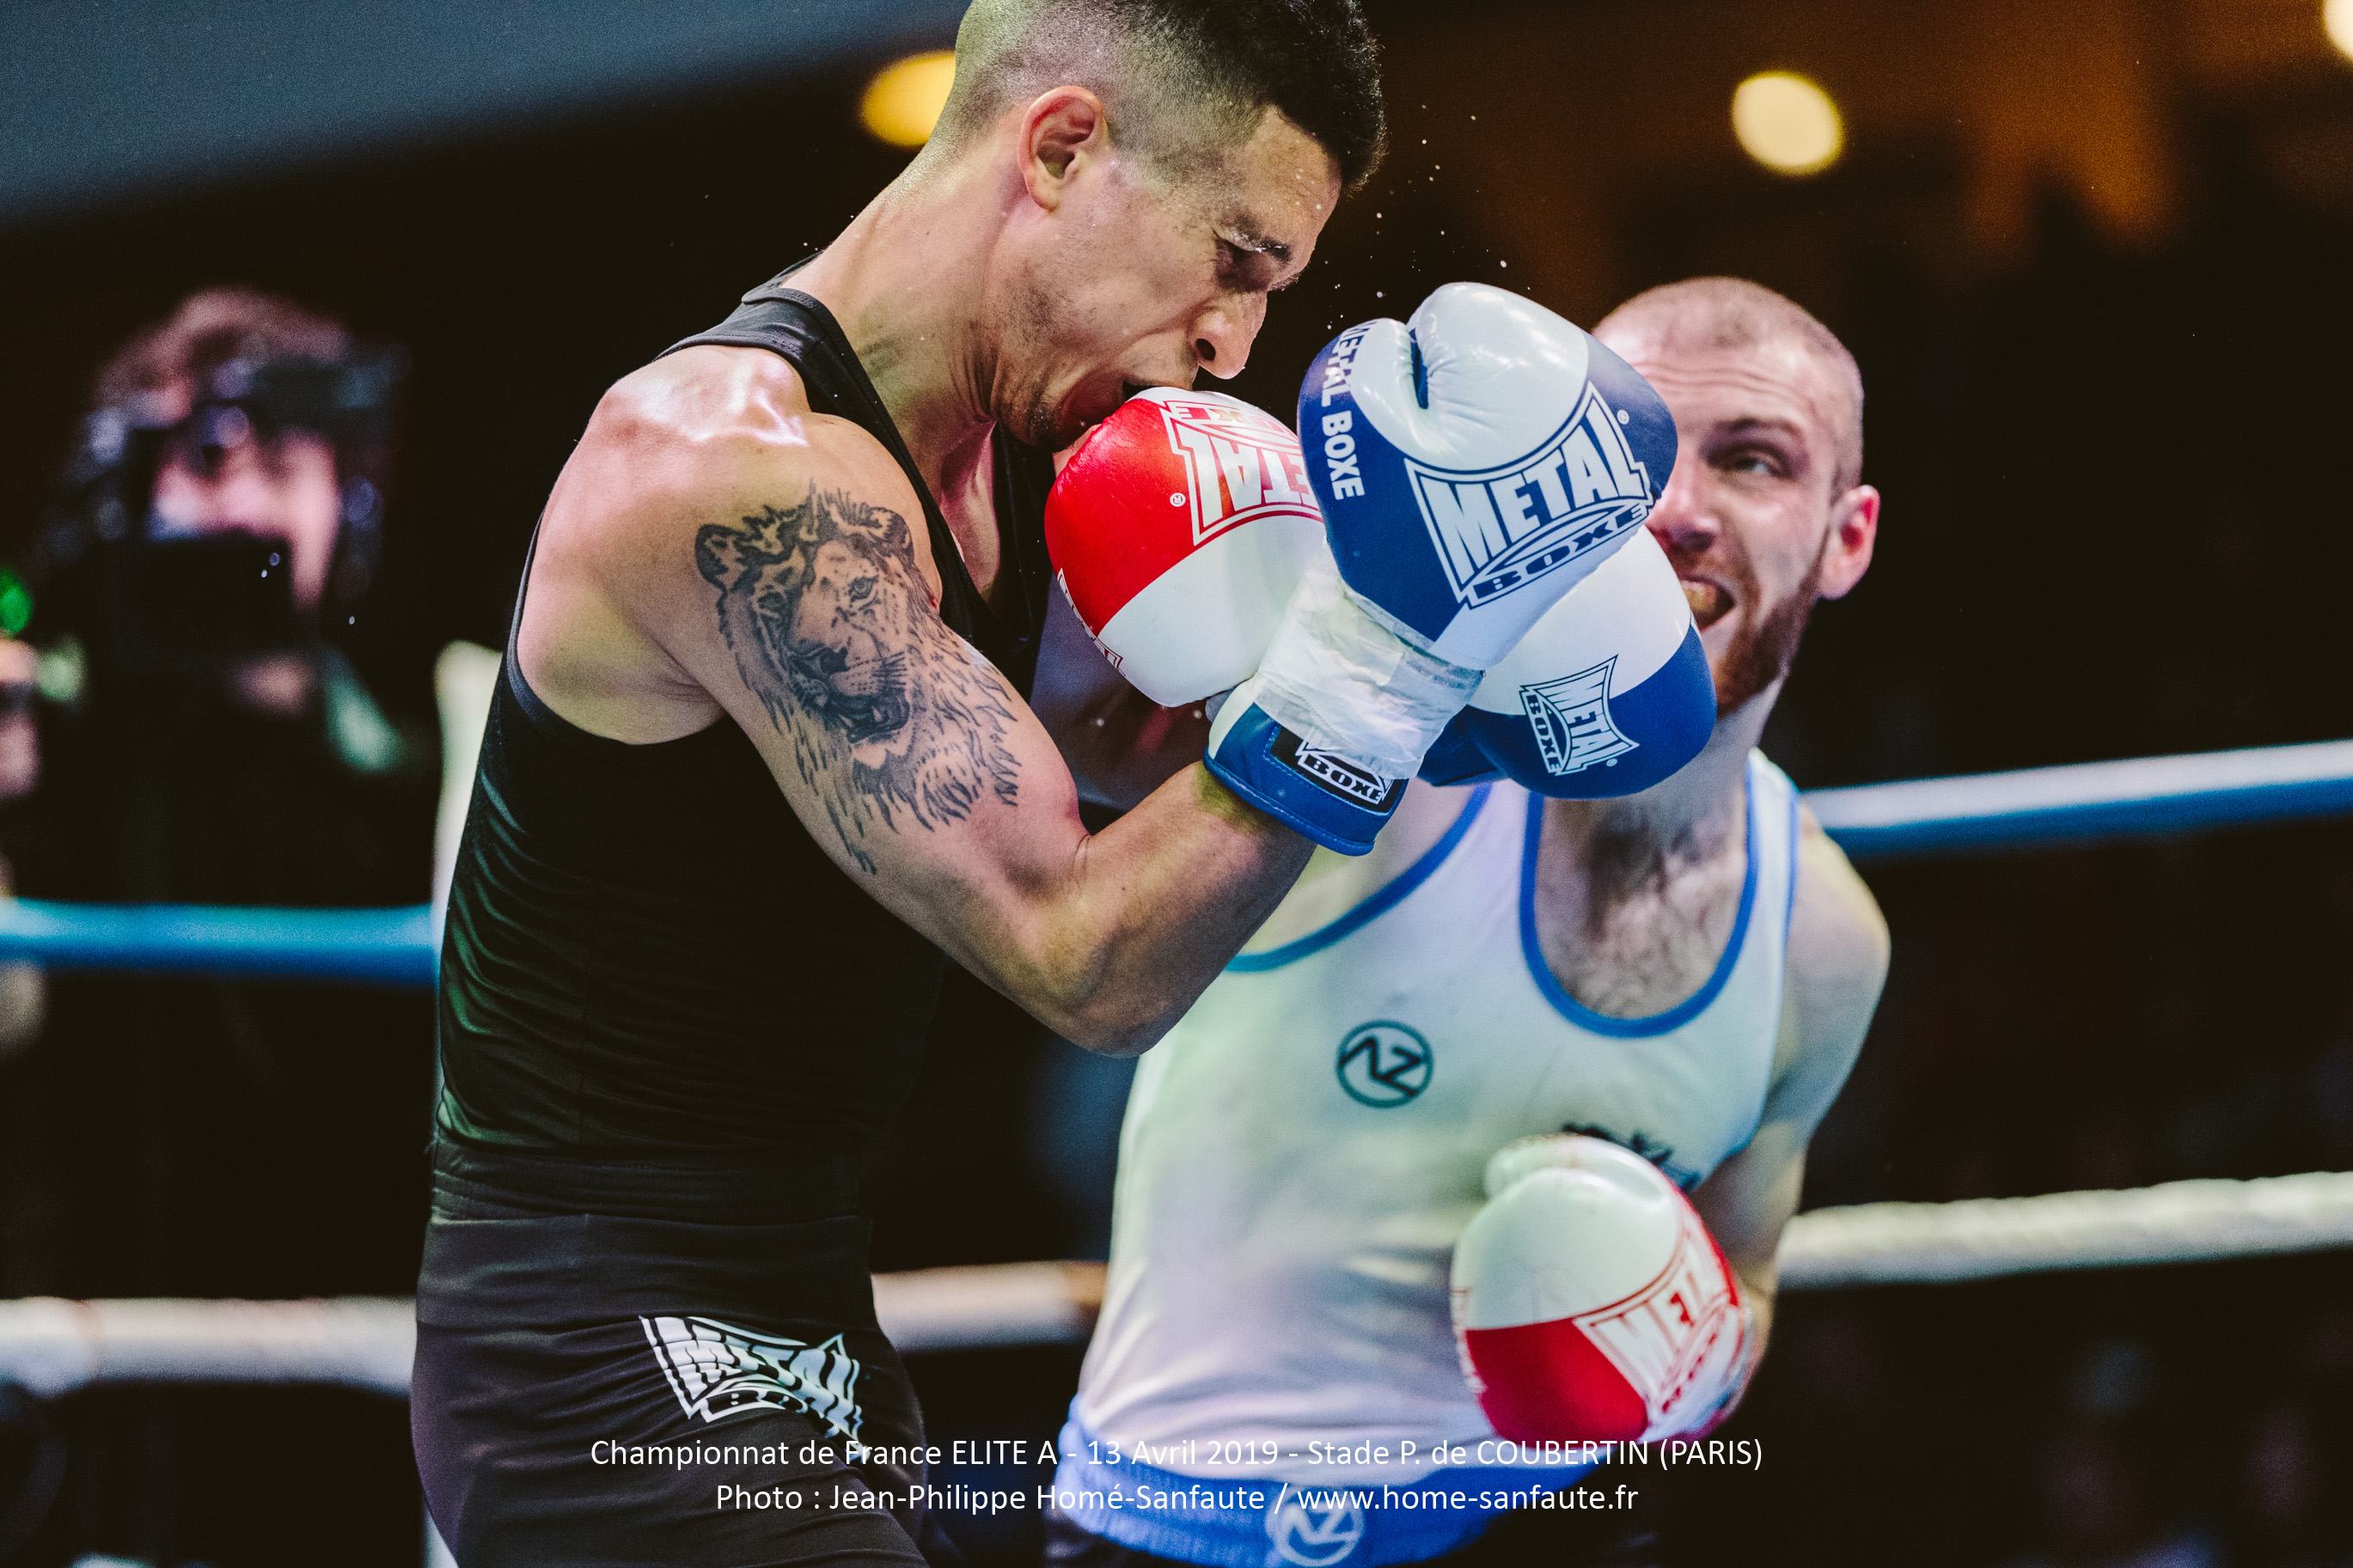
(606, 1390)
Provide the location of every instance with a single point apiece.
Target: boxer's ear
(1854, 531)
(1060, 126)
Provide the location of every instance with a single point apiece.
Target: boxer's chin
(1084, 407)
(1759, 652)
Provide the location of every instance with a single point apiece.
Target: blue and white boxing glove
(1606, 696)
(1454, 758)
(1472, 466)
(1609, 694)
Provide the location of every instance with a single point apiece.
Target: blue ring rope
(1978, 813)
(2088, 801)
(368, 947)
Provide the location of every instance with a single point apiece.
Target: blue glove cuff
(1332, 801)
(1455, 757)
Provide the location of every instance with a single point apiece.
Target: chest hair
(1632, 921)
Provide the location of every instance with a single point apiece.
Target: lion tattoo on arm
(889, 712)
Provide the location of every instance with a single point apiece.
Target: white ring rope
(1004, 1304)
(1981, 1239)
(50, 1347)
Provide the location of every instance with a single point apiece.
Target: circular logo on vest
(1383, 1064)
(1314, 1529)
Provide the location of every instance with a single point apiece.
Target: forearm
(1112, 951)
(1130, 746)
(1747, 1205)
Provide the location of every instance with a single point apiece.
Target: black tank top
(647, 958)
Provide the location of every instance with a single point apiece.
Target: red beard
(1767, 643)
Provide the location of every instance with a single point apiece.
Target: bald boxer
(1685, 973)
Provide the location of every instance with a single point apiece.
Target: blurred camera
(262, 443)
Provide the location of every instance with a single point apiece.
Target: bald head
(1182, 80)
(1718, 314)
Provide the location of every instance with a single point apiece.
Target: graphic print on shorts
(718, 1370)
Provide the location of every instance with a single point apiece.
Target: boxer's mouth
(1710, 602)
(1095, 410)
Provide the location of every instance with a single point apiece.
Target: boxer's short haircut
(1183, 79)
(1733, 313)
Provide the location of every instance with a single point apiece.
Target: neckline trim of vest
(1372, 909)
(1691, 1007)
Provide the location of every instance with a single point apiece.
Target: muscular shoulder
(693, 471)
(1838, 957)
(710, 422)
(711, 436)
(1839, 944)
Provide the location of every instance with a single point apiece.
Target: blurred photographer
(216, 531)
(207, 737)
(24, 990)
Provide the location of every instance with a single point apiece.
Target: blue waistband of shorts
(1268, 1524)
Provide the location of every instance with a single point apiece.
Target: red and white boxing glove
(1179, 526)
(1590, 1303)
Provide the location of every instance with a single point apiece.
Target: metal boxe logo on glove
(1241, 465)
(718, 1370)
(1662, 1337)
(1570, 718)
(1502, 528)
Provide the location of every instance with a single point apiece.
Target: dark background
(2094, 261)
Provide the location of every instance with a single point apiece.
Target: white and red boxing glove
(1179, 526)
(1590, 1303)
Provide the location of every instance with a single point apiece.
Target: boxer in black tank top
(639, 1151)
(761, 754)
(610, 970)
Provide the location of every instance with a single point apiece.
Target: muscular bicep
(883, 719)
(810, 616)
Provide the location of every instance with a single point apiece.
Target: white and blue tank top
(1303, 1149)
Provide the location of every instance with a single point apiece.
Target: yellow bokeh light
(1788, 124)
(903, 100)
(2338, 19)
